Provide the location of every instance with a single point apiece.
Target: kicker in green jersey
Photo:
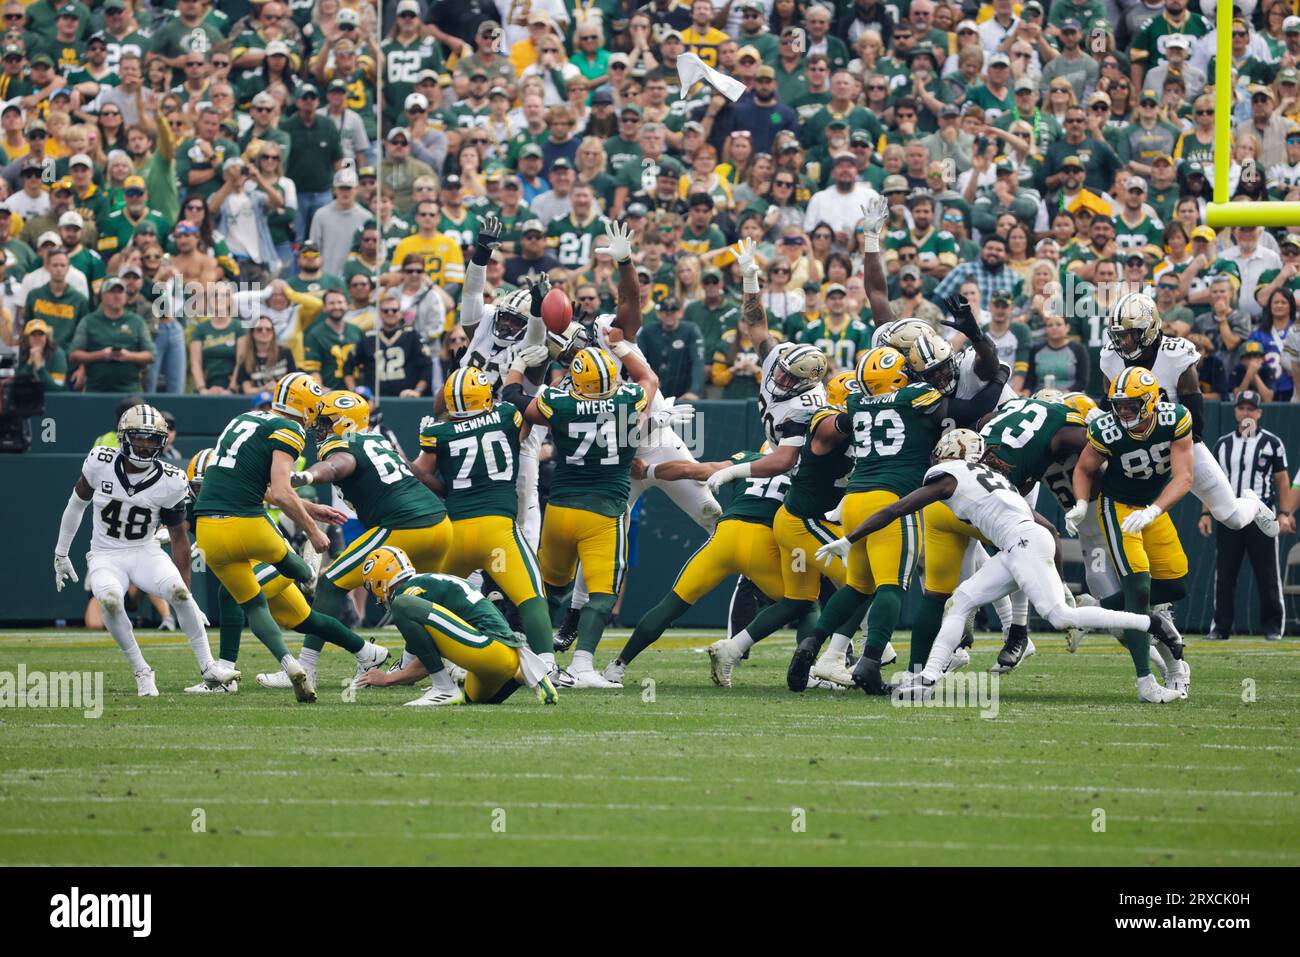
(381, 489)
(893, 436)
(594, 444)
(1137, 470)
(464, 602)
(478, 460)
(236, 480)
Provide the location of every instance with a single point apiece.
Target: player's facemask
(143, 447)
(1129, 412)
(942, 377)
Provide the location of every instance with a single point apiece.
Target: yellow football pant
(493, 543)
(570, 535)
(1156, 549)
(798, 540)
(232, 546)
(734, 548)
(886, 557)
(288, 606)
(489, 662)
(427, 548)
(946, 540)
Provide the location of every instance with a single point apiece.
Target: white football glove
(63, 571)
(744, 252)
(836, 549)
(1140, 519)
(729, 474)
(874, 214)
(1074, 516)
(675, 414)
(620, 240)
(529, 356)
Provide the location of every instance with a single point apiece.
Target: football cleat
(801, 663)
(213, 687)
(145, 686)
(724, 657)
(433, 698)
(1073, 633)
(614, 672)
(1263, 515)
(830, 667)
(545, 691)
(591, 679)
(568, 633)
(1180, 678)
(370, 656)
(275, 679)
(866, 675)
(959, 660)
(168, 623)
(1015, 649)
(1213, 635)
(314, 560)
(820, 684)
(1150, 692)
(304, 686)
(218, 673)
(913, 687)
(561, 678)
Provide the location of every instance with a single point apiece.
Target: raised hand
(620, 240)
(488, 239)
(963, 317)
(744, 253)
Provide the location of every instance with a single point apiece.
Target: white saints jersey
(785, 420)
(1173, 358)
(968, 383)
(985, 499)
(486, 352)
(129, 506)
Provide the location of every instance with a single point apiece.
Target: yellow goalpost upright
(1221, 213)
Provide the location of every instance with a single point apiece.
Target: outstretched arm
(627, 315)
(751, 310)
(336, 468)
(874, 214)
(963, 320)
(935, 491)
(471, 298)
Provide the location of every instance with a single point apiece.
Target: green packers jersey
(817, 482)
(463, 231)
(755, 499)
(381, 489)
(594, 447)
(403, 64)
(893, 436)
(842, 345)
(572, 242)
(236, 479)
(1021, 434)
(478, 460)
(326, 352)
(465, 602)
(1137, 470)
(1145, 233)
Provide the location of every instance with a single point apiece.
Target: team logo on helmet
(592, 374)
(468, 392)
(141, 434)
(964, 444)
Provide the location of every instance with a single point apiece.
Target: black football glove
(964, 319)
(538, 291)
(488, 239)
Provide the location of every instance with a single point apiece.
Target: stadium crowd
(191, 199)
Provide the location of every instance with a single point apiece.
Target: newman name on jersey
(129, 506)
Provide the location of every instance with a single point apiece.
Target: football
(557, 310)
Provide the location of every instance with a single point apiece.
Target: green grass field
(679, 772)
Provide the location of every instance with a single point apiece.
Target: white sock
(1243, 514)
(839, 645)
(308, 659)
(742, 641)
(119, 626)
(407, 658)
(286, 661)
(366, 649)
(187, 613)
(945, 643)
(549, 658)
(1019, 608)
(226, 664)
(582, 661)
(442, 682)
(1003, 608)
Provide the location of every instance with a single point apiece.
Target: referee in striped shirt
(1252, 458)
